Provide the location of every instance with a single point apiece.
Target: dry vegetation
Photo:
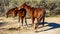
(11, 26)
(52, 5)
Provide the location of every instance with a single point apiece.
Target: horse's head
(6, 15)
(15, 11)
(15, 8)
(23, 5)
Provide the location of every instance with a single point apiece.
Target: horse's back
(22, 12)
(38, 12)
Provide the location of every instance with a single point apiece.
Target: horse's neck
(28, 8)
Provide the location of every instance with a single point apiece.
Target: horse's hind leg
(43, 20)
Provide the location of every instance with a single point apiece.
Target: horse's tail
(44, 12)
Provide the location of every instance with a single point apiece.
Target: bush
(7, 4)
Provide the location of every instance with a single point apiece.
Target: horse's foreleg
(33, 21)
(19, 19)
(22, 21)
(26, 22)
(6, 15)
(37, 24)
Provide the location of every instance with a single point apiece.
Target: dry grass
(11, 26)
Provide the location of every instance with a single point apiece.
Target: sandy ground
(11, 26)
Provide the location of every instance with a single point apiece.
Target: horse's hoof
(27, 27)
(36, 30)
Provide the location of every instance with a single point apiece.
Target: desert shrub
(52, 7)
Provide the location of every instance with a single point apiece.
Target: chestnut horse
(21, 15)
(10, 11)
(38, 13)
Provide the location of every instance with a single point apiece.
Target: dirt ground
(11, 26)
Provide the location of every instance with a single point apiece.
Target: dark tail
(44, 17)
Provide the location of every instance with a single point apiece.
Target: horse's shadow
(3, 24)
(53, 25)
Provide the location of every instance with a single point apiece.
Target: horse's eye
(18, 8)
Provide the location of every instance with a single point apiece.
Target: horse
(34, 13)
(10, 11)
(21, 15)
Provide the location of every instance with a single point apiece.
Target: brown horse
(38, 13)
(21, 15)
(10, 11)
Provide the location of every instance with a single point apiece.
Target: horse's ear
(27, 2)
(24, 2)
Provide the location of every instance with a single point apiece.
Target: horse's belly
(35, 13)
(22, 14)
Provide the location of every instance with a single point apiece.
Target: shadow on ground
(3, 24)
(50, 24)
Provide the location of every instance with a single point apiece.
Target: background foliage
(52, 6)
